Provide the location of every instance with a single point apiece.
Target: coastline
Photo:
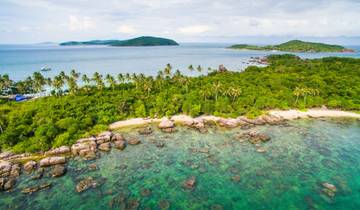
(12, 165)
(272, 115)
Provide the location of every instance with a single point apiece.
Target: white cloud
(194, 29)
(126, 29)
(80, 23)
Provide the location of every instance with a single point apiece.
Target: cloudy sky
(29, 21)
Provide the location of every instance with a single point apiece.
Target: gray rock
(166, 123)
(120, 144)
(29, 166)
(58, 151)
(105, 146)
(85, 184)
(58, 171)
(134, 141)
(52, 161)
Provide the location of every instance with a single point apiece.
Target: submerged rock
(31, 190)
(145, 131)
(164, 204)
(329, 186)
(52, 161)
(134, 141)
(120, 144)
(58, 171)
(216, 207)
(93, 167)
(38, 174)
(236, 178)
(85, 184)
(168, 130)
(145, 192)
(7, 183)
(190, 183)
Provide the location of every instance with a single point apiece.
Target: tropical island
(295, 46)
(182, 131)
(77, 111)
(139, 41)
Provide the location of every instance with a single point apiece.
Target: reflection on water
(229, 173)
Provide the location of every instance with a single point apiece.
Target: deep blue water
(20, 61)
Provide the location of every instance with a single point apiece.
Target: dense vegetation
(60, 119)
(295, 46)
(139, 41)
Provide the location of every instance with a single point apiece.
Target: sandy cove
(273, 115)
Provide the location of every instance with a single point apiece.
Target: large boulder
(166, 123)
(15, 170)
(118, 137)
(58, 151)
(49, 161)
(9, 184)
(5, 168)
(145, 131)
(120, 144)
(29, 166)
(104, 137)
(105, 146)
(85, 147)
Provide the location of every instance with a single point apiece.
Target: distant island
(295, 46)
(139, 41)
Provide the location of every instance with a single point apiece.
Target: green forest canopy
(295, 46)
(139, 41)
(288, 82)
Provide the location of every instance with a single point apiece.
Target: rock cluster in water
(88, 148)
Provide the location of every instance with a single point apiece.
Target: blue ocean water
(20, 61)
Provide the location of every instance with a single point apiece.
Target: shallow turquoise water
(300, 156)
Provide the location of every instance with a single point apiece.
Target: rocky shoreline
(12, 165)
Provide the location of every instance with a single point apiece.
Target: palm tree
(167, 70)
(199, 68)
(128, 77)
(85, 79)
(216, 87)
(147, 86)
(75, 75)
(120, 78)
(233, 93)
(5, 82)
(191, 68)
(21, 87)
(97, 78)
(58, 83)
(111, 81)
(38, 82)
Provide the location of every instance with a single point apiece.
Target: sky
(255, 21)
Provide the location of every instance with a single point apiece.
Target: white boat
(45, 69)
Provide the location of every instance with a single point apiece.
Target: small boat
(45, 69)
(20, 98)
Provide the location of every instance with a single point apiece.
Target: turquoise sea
(230, 173)
(21, 61)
